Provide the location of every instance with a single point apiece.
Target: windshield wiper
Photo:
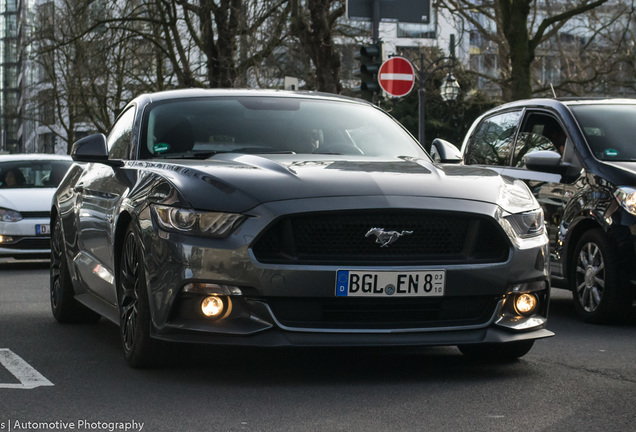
(209, 154)
(260, 150)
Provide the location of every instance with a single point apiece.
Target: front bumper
(281, 338)
(28, 237)
(286, 304)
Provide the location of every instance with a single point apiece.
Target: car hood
(619, 173)
(240, 182)
(26, 200)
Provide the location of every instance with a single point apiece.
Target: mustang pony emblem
(385, 238)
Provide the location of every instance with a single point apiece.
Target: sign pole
(423, 75)
(422, 105)
(376, 21)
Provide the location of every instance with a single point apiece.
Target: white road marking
(29, 378)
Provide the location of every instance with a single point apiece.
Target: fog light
(212, 306)
(526, 304)
(5, 239)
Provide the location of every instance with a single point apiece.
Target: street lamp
(449, 89)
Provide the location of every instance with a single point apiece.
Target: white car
(27, 184)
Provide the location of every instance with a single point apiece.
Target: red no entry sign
(397, 76)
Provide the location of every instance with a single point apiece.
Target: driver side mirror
(544, 161)
(445, 152)
(93, 148)
(550, 162)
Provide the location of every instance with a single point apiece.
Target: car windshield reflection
(203, 127)
(609, 130)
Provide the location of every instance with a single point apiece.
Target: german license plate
(429, 283)
(42, 229)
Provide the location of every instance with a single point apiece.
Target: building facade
(10, 66)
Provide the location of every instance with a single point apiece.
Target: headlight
(515, 197)
(211, 224)
(9, 215)
(528, 224)
(626, 197)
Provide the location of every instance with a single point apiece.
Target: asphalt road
(583, 379)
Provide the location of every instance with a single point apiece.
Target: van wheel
(600, 293)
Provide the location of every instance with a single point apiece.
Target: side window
(120, 136)
(539, 132)
(491, 143)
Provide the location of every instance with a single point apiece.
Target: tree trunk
(314, 29)
(514, 21)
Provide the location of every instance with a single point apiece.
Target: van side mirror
(543, 161)
(550, 162)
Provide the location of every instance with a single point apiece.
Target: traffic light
(370, 58)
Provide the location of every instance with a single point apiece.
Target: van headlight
(188, 221)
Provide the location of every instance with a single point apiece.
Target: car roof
(598, 101)
(201, 92)
(32, 156)
(560, 102)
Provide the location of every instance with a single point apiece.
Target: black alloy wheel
(63, 304)
(140, 350)
(599, 292)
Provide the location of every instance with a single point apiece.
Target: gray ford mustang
(267, 218)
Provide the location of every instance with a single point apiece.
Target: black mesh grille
(342, 238)
(382, 313)
(30, 243)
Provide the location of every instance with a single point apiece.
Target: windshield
(201, 128)
(610, 130)
(27, 174)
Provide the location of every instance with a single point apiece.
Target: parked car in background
(27, 183)
(271, 218)
(578, 157)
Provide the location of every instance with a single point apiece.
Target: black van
(578, 156)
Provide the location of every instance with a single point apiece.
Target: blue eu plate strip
(342, 283)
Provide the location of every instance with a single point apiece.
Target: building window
(415, 31)
(46, 143)
(46, 20)
(46, 105)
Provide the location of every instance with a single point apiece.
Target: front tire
(140, 350)
(498, 353)
(63, 304)
(600, 293)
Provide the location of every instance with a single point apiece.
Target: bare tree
(205, 41)
(83, 70)
(594, 57)
(313, 23)
(518, 28)
(93, 56)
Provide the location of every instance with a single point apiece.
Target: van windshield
(610, 130)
